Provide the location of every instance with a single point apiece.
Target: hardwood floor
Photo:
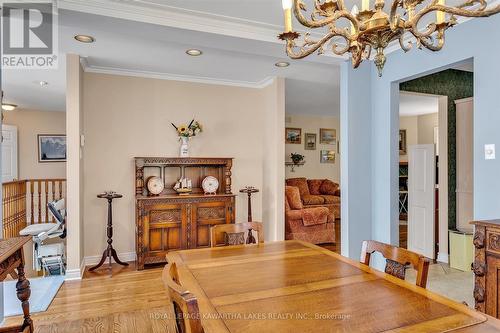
(130, 301)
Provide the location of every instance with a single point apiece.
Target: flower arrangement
(296, 158)
(188, 131)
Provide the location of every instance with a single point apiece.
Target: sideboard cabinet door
(164, 230)
(204, 216)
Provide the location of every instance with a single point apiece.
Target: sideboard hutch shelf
(169, 222)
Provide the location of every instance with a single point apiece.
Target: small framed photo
(328, 136)
(51, 148)
(402, 142)
(293, 135)
(327, 156)
(310, 141)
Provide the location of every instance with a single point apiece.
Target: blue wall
(478, 39)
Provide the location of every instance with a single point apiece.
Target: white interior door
(9, 153)
(421, 187)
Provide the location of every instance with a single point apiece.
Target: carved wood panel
(493, 241)
(173, 223)
(479, 268)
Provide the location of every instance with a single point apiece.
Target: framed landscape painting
(310, 141)
(328, 156)
(328, 136)
(293, 135)
(51, 148)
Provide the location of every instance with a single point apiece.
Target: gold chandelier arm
(458, 11)
(309, 47)
(394, 17)
(428, 41)
(298, 7)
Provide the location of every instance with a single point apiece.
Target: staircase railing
(25, 202)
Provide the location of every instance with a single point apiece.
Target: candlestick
(287, 7)
(440, 16)
(365, 5)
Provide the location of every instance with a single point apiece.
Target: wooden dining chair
(234, 234)
(186, 311)
(396, 260)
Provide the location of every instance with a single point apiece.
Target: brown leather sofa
(318, 193)
(314, 225)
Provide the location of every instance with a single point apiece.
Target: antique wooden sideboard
(168, 221)
(486, 267)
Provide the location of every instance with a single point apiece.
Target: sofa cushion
(331, 199)
(328, 187)
(315, 216)
(314, 186)
(293, 197)
(300, 183)
(313, 200)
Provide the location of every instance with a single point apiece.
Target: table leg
(23, 294)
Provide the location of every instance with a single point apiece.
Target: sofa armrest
(315, 216)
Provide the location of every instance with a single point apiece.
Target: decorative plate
(210, 185)
(155, 185)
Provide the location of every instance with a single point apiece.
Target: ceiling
(149, 38)
(413, 104)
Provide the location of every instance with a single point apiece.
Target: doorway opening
(436, 176)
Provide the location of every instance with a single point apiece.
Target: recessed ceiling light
(85, 39)
(8, 107)
(282, 64)
(43, 83)
(194, 52)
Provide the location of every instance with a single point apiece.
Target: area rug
(43, 291)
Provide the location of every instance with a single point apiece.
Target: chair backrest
(187, 313)
(396, 260)
(235, 234)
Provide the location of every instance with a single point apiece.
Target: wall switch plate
(489, 152)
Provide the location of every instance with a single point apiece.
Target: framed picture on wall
(51, 148)
(327, 156)
(293, 135)
(328, 136)
(310, 141)
(402, 142)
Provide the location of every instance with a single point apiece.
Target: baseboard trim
(443, 257)
(94, 260)
(75, 274)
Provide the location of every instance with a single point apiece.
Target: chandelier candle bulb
(440, 15)
(287, 7)
(365, 5)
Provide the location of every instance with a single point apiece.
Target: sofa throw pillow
(293, 197)
(314, 186)
(328, 187)
(235, 238)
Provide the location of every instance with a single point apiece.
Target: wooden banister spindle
(32, 209)
(39, 192)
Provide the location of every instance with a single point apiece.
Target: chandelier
(373, 29)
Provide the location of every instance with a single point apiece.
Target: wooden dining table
(294, 286)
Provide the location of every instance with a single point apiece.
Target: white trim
(176, 77)
(75, 274)
(464, 100)
(94, 260)
(442, 257)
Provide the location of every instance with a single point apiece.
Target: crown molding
(175, 77)
(175, 17)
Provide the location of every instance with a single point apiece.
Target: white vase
(184, 151)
